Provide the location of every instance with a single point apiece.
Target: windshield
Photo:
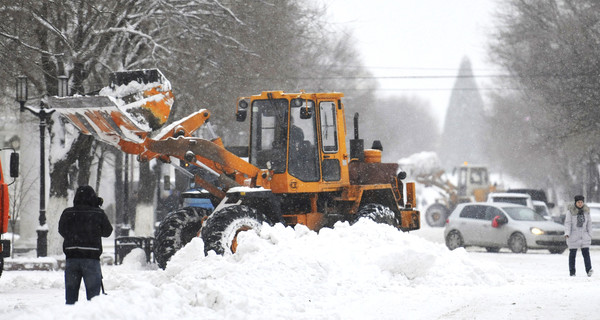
(479, 176)
(541, 210)
(521, 201)
(523, 214)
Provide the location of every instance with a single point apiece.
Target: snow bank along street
(365, 271)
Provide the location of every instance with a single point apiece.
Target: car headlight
(537, 231)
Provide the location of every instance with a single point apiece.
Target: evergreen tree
(463, 136)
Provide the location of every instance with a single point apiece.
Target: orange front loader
(298, 167)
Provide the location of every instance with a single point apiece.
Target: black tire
(377, 213)
(454, 240)
(492, 249)
(176, 230)
(517, 243)
(220, 230)
(557, 251)
(1, 264)
(436, 215)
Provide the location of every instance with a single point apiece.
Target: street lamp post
(43, 114)
(22, 91)
(63, 86)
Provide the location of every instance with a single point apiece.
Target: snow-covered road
(365, 271)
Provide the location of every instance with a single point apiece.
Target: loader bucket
(135, 104)
(147, 86)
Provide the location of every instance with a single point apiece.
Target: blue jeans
(89, 270)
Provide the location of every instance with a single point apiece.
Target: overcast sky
(399, 38)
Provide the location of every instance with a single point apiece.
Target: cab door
(332, 158)
(303, 159)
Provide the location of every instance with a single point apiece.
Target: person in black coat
(82, 227)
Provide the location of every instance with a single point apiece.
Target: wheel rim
(517, 244)
(454, 240)
(435, 216)
(234, 242)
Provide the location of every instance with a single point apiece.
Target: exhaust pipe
(357, 146)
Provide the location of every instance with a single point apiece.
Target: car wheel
(557, 251)
(454, 240)
(517, 243)
(492, 249)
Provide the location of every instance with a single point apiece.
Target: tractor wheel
(517, 243)
(175, 231)
(454, 240)
(221, 229)
(436, 215)
(377, 213)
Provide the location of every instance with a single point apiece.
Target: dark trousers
(585, 252)
(75, 270)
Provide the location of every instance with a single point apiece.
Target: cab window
(328, 126)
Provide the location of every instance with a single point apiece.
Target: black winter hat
(85, 195)
(579, 197)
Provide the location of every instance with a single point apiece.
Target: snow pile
(285, 273)
(131, 88)
(29, 280)
(423, 163)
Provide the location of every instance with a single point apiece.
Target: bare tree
(550, 47)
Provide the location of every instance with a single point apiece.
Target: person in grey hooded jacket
(578, 233)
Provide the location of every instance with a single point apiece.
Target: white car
(542, 209)
(502, 225)
(595, 214)
(517, 198)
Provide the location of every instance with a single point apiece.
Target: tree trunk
(79, 76)
(60, 169)
(144, 211)
(99, 167)
(119, 194)
(48, 66)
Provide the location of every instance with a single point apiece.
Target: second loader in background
(473, 185)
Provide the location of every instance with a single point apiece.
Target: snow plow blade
(132, 106)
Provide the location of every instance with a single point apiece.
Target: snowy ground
(365, 271)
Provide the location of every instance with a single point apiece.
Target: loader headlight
(537, 231)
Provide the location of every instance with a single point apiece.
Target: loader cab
(297, 136)
(473, 181)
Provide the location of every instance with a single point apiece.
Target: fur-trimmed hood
(573, 210)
